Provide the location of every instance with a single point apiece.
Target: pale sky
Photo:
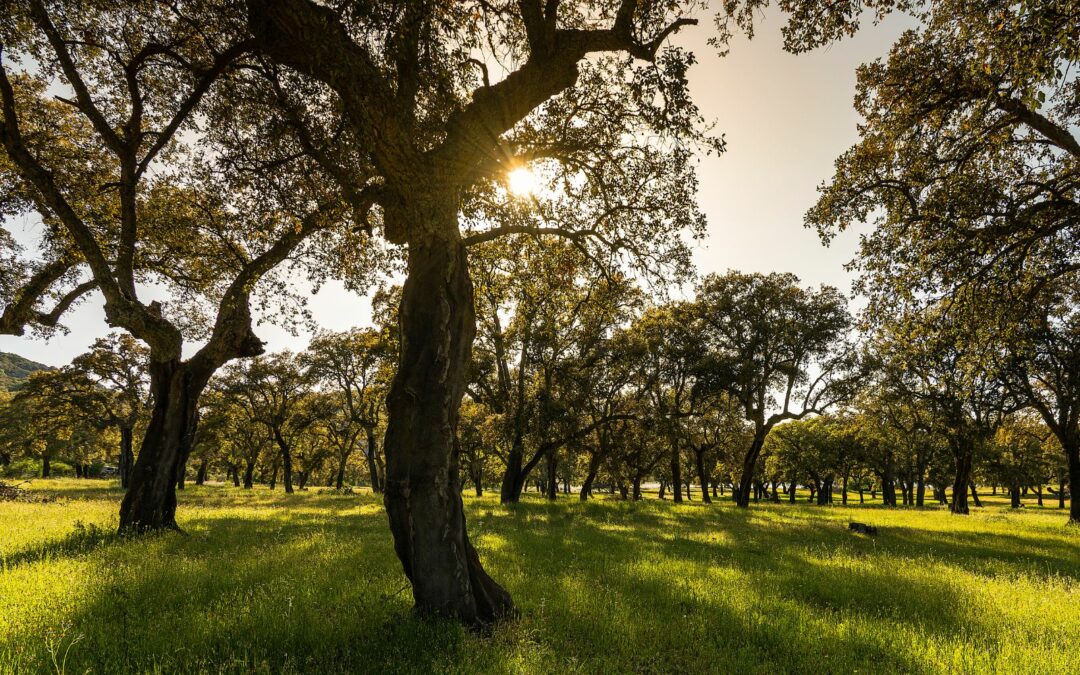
(786, 119)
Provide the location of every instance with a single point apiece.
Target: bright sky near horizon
(786, 119)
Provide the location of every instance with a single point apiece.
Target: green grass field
(264, 582)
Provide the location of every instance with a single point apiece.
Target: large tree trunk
(422, 495)
(746, 481)
(590, 477)
(963, 453)
(200, 475)
(46, 467)
(513, 481)
(249, 474)
(636, 486)
(339, 481)
(150, 501)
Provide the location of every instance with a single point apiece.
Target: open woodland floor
(268, 582)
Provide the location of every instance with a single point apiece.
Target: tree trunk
(127, 456)
(963, 455)
(1014, 496)
(249, 474)
(371, 454)
(843, 491)
(637, 488)
(676, 473)
(339, 480)
(513, 481)
(742, 497)
(273, 476)
(235, 476)
(1072, 456)
(286, 461)
(200, 475)
(422, 495)
(552, 482)
(703, 476)
(150, 501)
(975, 495)
(590, 476)
(888, 482)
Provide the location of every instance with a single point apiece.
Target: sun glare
(522, 182)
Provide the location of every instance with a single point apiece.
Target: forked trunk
(150, 501)
(422, 494)
(286, 461)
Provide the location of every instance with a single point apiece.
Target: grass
(309, 583)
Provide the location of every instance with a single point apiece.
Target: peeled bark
(150, 501)
(422, 491)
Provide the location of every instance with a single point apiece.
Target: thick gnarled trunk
(422, 491)
(150, 501)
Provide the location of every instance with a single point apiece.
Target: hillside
(14, 369)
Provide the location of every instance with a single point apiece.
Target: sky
(786, 119)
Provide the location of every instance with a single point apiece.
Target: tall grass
(266, 582)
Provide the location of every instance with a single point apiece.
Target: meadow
(265, 582)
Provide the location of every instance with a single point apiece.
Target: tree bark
(127, 456)
(150, 501)
(703, 475)
(1072, 455)
(975, 495)
(962, 479)
(372, 463)
(742, 497)
(200, 475)
(552, 482)
(46, 467)
(676, 473)
(286, 461)
(422, 495)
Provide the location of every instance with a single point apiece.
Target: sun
(522, 182)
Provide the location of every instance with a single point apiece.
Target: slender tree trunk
(975, 495)
(127, 456)
(46, 467)
(843, 490)
(660, 494)
(422, 495)
(1014, 496)
(637, 488)
(200, 475)
(676, 472)
(339, 480)
(249, 474)
(703, 475)
(590, 476)
(1061, 494)
(286, 461)
(1038, 494)
(235, 476)
(888, 482)
(150, 501)
(749, 465)
(371, 454)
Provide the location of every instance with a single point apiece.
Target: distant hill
(14, 369)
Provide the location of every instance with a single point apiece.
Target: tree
(358, 365)
(779, 350)
(416, 90)
(275, 392)
(132, 190)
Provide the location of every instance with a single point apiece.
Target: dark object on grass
(15, 493)
(863, 528)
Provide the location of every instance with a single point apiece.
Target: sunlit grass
(267, 582)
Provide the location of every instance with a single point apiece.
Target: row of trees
(576, 382)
